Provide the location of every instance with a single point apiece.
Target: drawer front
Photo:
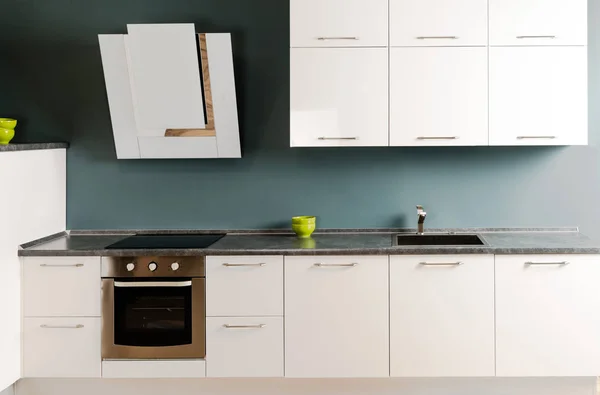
(61, 287)
(244, 286)
(244, 347)
(61, 347)
(154, 369)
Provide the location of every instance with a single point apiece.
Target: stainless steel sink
(437, 240)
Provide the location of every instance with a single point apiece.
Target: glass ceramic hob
(172, 241)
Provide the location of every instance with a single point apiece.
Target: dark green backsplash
(52, 81)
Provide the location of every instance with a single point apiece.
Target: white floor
(492, 386)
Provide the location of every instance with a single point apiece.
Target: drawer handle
(440, 263)
(535, 137)
(437, 138)
(337, 38)
(526, 37)
(259, 326)
(563, 263)
(244, 264)
(338, 138)
(72, 265)
(336, 264)
(437, 38)
(78, 326)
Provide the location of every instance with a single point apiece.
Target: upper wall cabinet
(438, 23)
(339, 23)
(538, 22)
(181, 104)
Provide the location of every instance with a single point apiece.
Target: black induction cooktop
(154, 241)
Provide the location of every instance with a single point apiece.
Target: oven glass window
(153, 316)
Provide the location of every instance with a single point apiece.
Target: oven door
(153, 319)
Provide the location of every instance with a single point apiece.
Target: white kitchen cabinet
(338, 23)
(61, 347)
(61, 287)
(442, 316)
(339, 97)
(438, 96)
(547, 320)
(244, 346)
(538, 96)
(538, 22)
(438, 23)
(244, 286)
(336, 316)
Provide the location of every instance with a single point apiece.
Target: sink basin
(437, 240)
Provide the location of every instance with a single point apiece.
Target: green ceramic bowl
(6, 135)
(304, 231)
(7, 123)
(304, 220)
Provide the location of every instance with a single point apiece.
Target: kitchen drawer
(244, 347)
(61, 287)
(153, 369)
(61, 347)
(244, 286)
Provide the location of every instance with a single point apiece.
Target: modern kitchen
(300, 197)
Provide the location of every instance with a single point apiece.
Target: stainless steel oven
(153, 308)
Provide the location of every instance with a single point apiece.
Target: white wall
(569, 386)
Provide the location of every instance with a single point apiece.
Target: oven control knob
(130, 267)
(174, 266)
(152, 266)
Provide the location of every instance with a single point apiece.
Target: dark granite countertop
(328, 242)
(32, 146)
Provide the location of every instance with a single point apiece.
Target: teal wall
(52, 80)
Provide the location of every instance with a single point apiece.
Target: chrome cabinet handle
(244, 264)
(337, 38)
(535, 137)
(152, 284)
(440, 263)
(525, 37)
(78, 326)
(437, 138)
(563, 263)
(72, 265)
(259, 326)
(338, 138)
(336, 264)
(437, 38)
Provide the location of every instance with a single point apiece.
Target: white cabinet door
(538, 96)
(244, 286)
(338, 23)
(438, 96)
(438, 23)
(244, 347)
(61, 347)
(442, 316)
(339, 97)
(538, 22)
(547, 320)
(336, 316)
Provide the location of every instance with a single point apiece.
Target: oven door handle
(152, 284)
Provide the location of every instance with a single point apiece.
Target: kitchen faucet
(421, 214)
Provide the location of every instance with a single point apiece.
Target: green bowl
(304, 231)
(304, 220)
(7, 123)
(6, 135)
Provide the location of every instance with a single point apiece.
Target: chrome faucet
(421, 214)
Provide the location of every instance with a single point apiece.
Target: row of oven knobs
(152, 266)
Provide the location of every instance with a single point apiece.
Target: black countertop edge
(43, 240)
(32, 146)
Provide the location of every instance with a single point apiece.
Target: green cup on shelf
(7, 130)
(304, 226)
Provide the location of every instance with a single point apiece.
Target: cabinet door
(538, 96)
(244, 347)
(338, 23)
(538, 22)
(438, 96)
(336, 316)
(61, 347)
(442, 316)
(438, 23)
(547, 320)
(339, 97)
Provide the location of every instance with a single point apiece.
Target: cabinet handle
(437, 138)
(78, 326)
(337, 38)
(563, 263)
(437, 38)
(535, 137)
(259, 326)
(525, 37)
(336, 264)
(244, 264)
(72, 265)
(338, 138)
(440, 263)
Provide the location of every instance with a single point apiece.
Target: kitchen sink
(437, 240)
